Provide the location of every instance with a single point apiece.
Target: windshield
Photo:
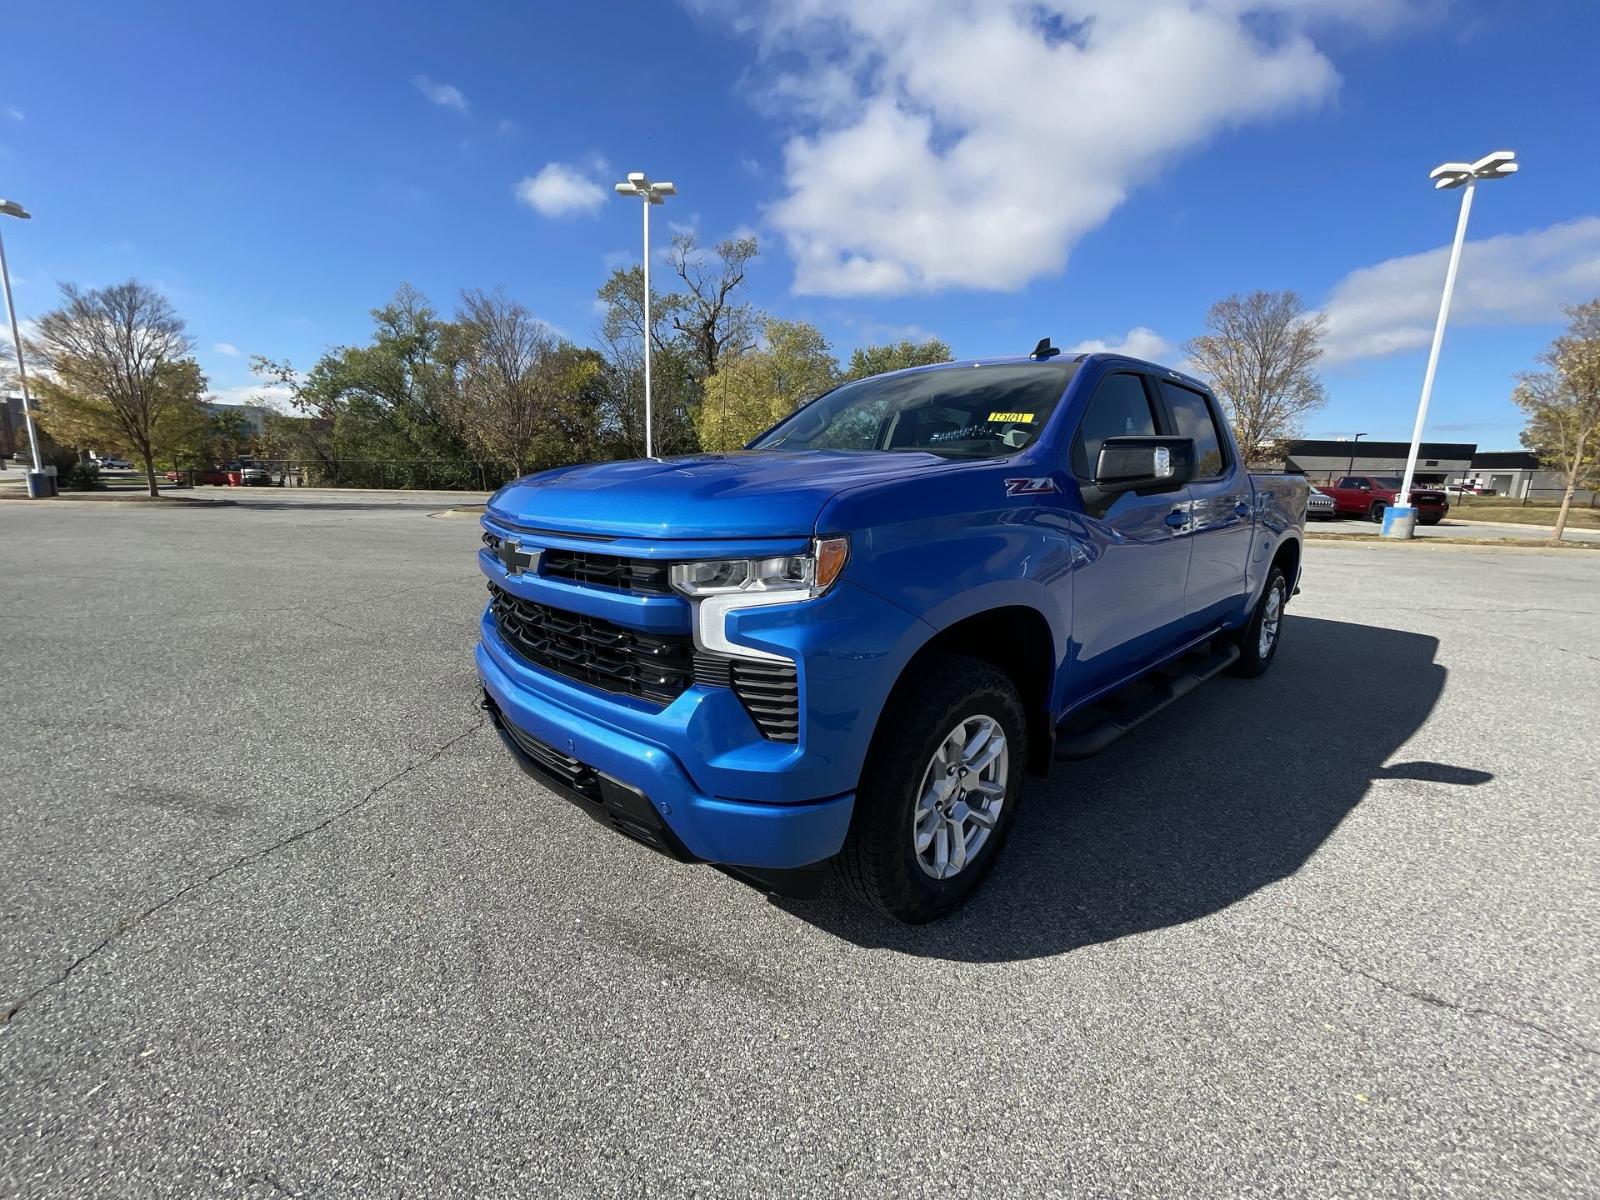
(959, 412)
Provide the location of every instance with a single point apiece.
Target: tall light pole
(10, 208)
(1402, 517)
(638, 184)
(1351, 469)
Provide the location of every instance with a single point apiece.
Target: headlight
(796, 576)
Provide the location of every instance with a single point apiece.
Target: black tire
(1252, 663)
(1375, 513)
(879, 862)
(1428, 520)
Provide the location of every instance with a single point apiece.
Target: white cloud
(13, 113)
(1138, 342)
(1513, 279)
(445, 95)
(505, 126)
(560, 191)
(227, 348)
(876, 334)
(971, 145)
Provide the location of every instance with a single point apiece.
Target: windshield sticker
(1014, 418)
(1030, 487)
(958, 435)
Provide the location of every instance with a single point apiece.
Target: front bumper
(641, 789)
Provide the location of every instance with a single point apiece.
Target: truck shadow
(1227, 791)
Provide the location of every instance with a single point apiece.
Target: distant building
(1513, 473)
(1437, 462)
(12, 428)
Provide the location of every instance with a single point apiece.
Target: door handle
(1177, 519)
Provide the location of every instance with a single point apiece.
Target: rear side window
(1120, 408)
(1194, 418)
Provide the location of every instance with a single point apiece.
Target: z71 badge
(1030, 487)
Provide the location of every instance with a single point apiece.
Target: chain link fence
(417, 474)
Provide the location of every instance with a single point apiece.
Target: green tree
(1562, 406)
(757, 389)
(119, 372)
(381, 403)
(896, 356)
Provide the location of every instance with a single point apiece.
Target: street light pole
(11, 208)
(1351, 469)
(1402, 516)
(638, 184)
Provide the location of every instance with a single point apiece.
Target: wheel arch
(1016, 639)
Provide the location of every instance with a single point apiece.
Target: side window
(1347, 482)
(1195, 420)
(1120, 408)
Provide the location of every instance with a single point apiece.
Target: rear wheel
(939, 791)
(1379, 507)
(1429, 520)
(1258, 640)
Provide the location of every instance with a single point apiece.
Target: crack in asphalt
(127, 925)
(1331, 953)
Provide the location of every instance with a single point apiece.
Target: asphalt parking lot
(279, 917)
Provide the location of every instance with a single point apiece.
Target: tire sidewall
(1251, 660)
(891, 787)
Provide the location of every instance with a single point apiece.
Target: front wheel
(1377, 511)
(939, 791)
(1258, 640)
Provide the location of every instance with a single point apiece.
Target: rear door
(1128, 594)
(1221, 523)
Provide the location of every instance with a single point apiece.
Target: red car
(1370, 495)
(214, 476)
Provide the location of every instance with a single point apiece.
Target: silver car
(1320, 506)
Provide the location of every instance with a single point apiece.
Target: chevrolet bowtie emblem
(515, 559)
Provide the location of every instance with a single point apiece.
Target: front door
(1128, 595)
(1221, 522)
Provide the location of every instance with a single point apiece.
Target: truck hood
(760, 493)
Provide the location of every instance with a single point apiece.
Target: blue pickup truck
(842, 648)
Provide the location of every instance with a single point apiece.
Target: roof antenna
(1044, 349)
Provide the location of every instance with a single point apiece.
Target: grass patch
(1514, 514)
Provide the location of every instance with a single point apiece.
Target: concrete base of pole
(41, 485)
(1399, 521)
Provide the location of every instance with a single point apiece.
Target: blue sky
(988, 173)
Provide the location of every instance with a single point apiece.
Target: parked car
(847, 644)
(212, 476)
(111, 462)
(1371, 495)
(1320, 505)
(249, 475)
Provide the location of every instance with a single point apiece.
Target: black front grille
(652, 666)
(607, 570)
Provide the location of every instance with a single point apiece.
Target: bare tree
(1563, 406)
(1258, 352)
(708, 316)
(498, 352)
(519, 393)
(118, 370)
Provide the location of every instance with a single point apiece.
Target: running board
(1088, 732)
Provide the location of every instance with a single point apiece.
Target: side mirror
(1144, 464)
